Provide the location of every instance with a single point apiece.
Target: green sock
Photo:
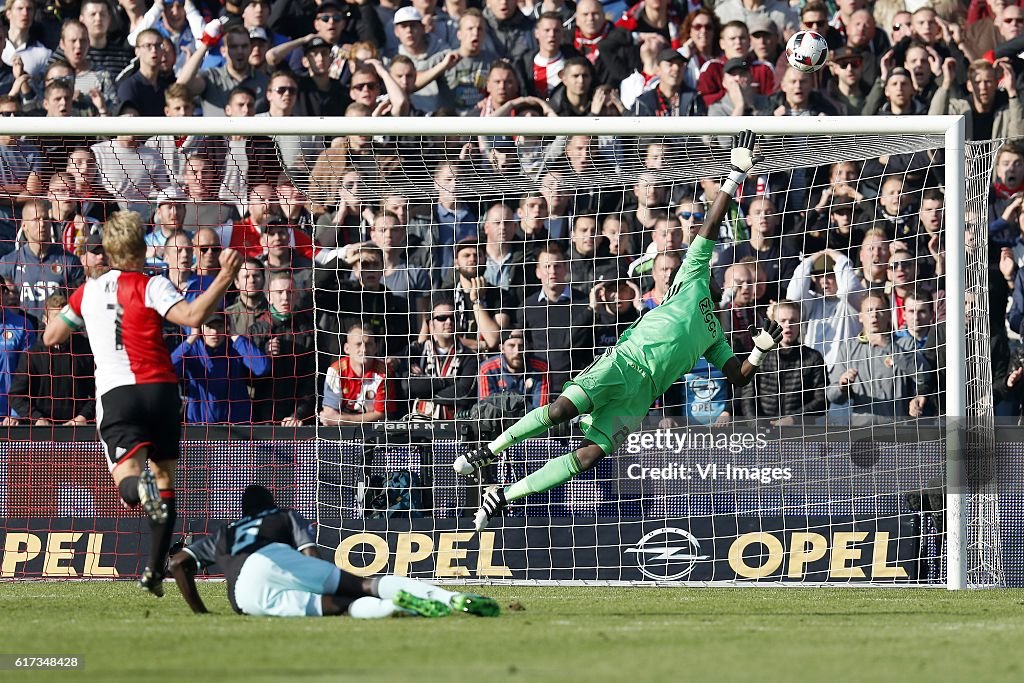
(533, 423)
(553, 473)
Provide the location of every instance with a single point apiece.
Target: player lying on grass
(138, 411)
(273, 569)
(617, 390)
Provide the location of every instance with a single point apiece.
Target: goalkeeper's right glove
(213, 32)
(766, 337)
(742, 158)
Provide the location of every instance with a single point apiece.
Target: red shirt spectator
(357, 388)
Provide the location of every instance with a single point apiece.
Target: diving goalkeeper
(617, 390)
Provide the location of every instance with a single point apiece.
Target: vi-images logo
(667, 554)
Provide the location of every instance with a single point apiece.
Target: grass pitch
(562, 634)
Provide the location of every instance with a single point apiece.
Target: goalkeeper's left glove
(766, 337)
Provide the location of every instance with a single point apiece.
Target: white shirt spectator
(784, 16)
(34, 57)
(131, 173)
(828, 320)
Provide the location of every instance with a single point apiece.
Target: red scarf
(631, 22)
(588, 46)
(542, 74)
(1003, 192)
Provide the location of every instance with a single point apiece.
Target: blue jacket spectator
(16, 336)
(1016, 315)
(216, 370)
(515, 372)
(39, 267)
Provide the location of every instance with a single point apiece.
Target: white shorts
(279, 581)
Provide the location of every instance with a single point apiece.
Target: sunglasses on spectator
(900, 265)
(700, 27)
(855, 63)
(8, 113)
(330, 17)
(819, 22)
(364, 85)
(285, 90)
(443, 318)
(687, 215)
(149, 46)
(203, 248)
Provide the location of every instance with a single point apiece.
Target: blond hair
(124, 240)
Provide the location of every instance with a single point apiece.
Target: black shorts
(144, 415)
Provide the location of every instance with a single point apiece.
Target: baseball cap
(258, 33)
(276, 222)
(467, 243)
(898, 71)
(845, 53)
(761, 24)
(670, 55)
(169, 194)
(94, 243)
(315, 44)
(823, 264)
(736, 64)
(407, 14)
(215, 319)
(331, 4)
(511, 334)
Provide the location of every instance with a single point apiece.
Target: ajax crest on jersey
(806, 51)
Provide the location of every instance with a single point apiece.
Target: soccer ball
(806, 51)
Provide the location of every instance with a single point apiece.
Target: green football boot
(425, 607)
(471, 603)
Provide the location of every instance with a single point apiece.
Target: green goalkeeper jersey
(669, 339)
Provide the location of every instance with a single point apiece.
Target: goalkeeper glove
(766, 337)
(213, 32)
(742, 158)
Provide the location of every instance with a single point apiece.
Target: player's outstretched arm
(192, 314)
(766, 338)
(183, 567)
(742, 158)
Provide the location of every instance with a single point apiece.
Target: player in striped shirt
(138, 411)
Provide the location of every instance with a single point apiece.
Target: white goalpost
(854, 487)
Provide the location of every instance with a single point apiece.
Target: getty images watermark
(734, 443)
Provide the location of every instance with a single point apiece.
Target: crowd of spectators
(361, 299)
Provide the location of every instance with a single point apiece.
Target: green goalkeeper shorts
(621, 393)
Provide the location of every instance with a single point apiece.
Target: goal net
(411, 292)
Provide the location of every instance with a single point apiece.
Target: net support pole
(956, 358)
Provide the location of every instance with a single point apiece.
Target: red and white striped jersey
(123, 313)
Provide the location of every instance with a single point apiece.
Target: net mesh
(984, 561)
(793, 478)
